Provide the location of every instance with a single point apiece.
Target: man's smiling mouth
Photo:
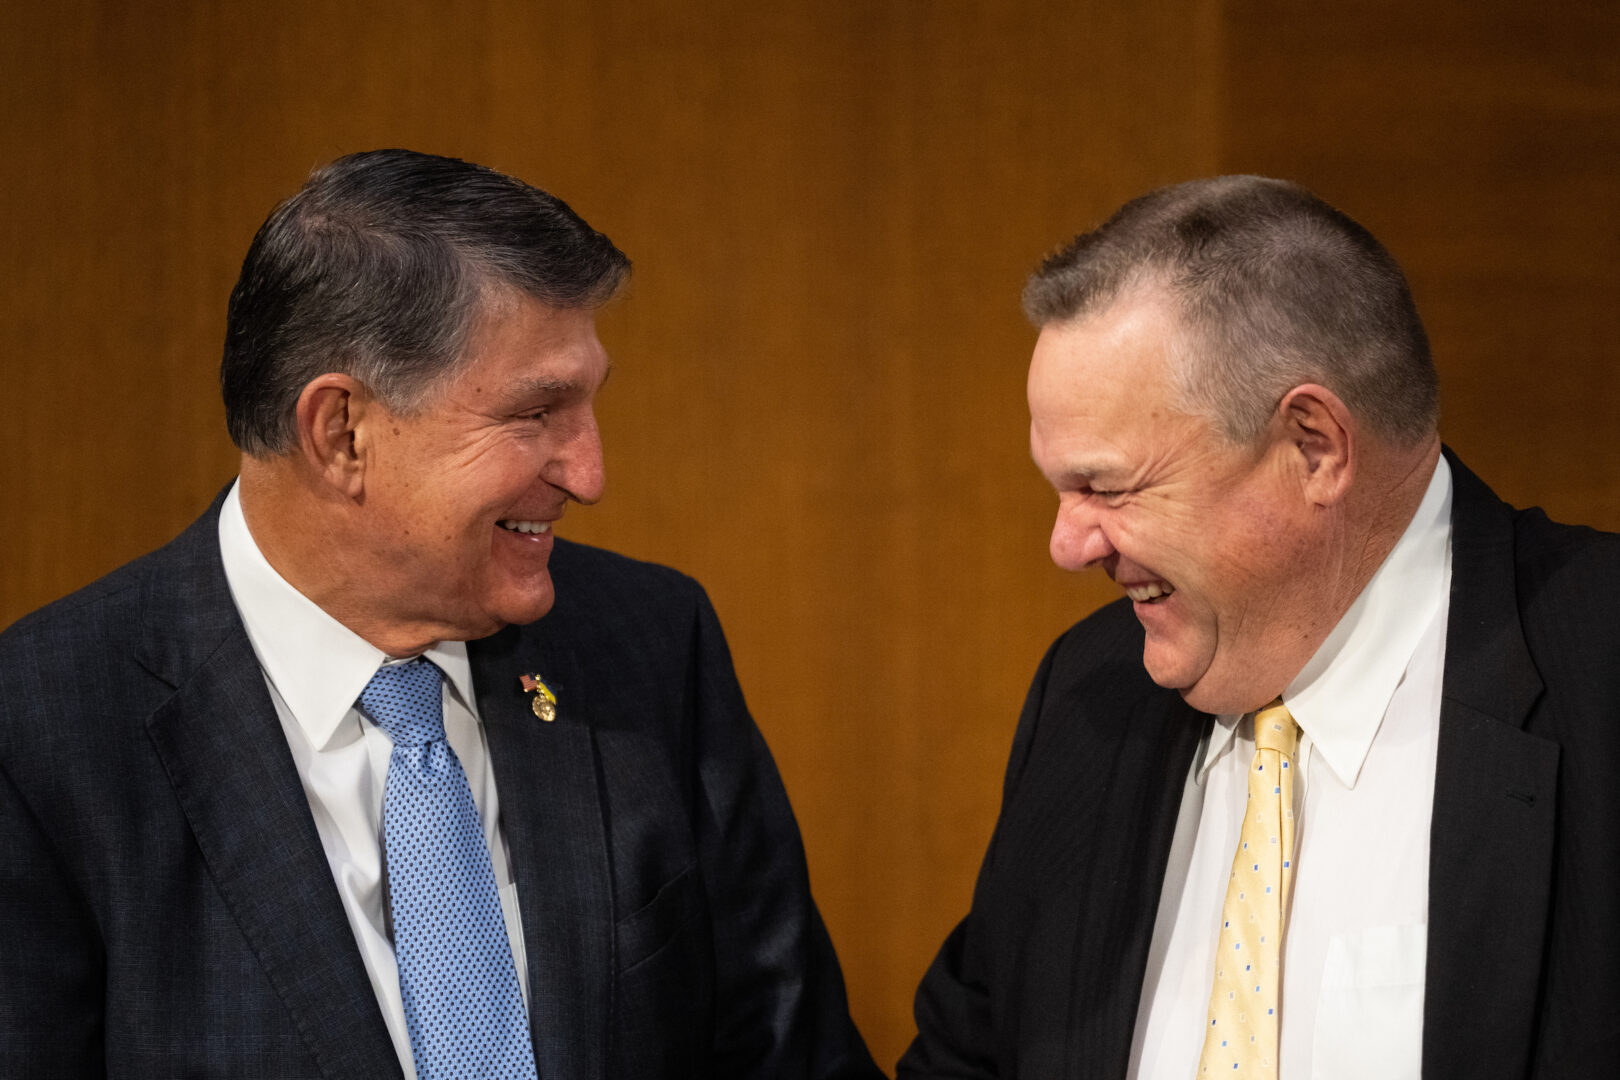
(514, 525)
(1149, 592)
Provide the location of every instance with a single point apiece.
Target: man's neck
(1387, 494)
(300, 530)
(1396, 481)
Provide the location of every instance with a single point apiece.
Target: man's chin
(1233, 694)
(1172, 668)
(1205, 700)
(1198, 686)
(525, 605)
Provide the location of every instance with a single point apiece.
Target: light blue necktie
(463, 1006)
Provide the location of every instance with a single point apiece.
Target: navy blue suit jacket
(1041, 980)
(167, 910)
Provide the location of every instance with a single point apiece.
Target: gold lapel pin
(544, 702)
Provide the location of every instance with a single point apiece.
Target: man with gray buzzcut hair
(1288, 808)
(368, 774)
(1271, 288)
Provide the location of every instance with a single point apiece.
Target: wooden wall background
(831, 205)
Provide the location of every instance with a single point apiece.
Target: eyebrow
(1084, 463)
(1089, 472)
(1104, 470)
(524, 388)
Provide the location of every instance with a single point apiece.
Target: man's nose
(577, 467)
(1078, 538)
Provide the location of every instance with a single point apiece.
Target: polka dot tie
(1241, 1037)
(463, 1006)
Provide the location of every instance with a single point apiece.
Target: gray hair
(1271, 288)
(379, 268)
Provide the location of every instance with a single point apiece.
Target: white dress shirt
(1368, 707)
(315, 668)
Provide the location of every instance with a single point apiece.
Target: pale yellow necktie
(1240, 1039)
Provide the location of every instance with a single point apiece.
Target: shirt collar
(317, 665)
(1339, 697)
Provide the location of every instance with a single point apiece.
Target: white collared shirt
(315, 668)
(1368, 707)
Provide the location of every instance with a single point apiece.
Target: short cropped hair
(1271, 287)
(378, 268)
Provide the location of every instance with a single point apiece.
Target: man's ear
(1316, 422)
(330, 410)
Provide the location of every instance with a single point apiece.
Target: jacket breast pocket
(645, 932)
(664, 988)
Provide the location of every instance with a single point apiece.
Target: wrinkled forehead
(1117, 360)
(1104, 405)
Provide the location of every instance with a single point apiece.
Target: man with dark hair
(1331, 793)
(368, 775)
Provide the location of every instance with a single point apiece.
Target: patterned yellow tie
(1241, 1039)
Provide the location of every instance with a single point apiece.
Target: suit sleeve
(51, 973)
(957, 1032)
(781, 1011)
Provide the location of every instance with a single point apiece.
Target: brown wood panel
(818, 404)
(1481, 143)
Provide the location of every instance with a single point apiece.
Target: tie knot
(406, 702)
(1275, 729)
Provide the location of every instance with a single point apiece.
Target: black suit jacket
(1043, 976)
(167, 909)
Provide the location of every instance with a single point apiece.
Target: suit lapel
(226, 755)
(1490, 862)
(1146, 759)
(552, 814)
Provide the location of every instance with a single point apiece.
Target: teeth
(530, 527)
(1151, 591)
